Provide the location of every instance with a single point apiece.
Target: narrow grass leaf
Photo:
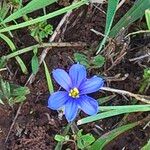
(111, 10)
(13, 48)
(108, 137)
(113, 111)
(147, 15)
(4, 8)
(1, 102)
(146, 146)
(30, 7)
(48, 78)
(136, 12)
(35, 64)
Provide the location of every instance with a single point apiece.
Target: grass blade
(113, 111)
(147, 15)
(136, 12)
(13, 48)
(147, 146)
(4, 8)
(48, 78)
(108, 137)
(35, 64)
(112, 6)
(30, 7)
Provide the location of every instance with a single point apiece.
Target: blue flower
(77, 86)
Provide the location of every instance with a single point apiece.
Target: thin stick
(13, 123)
(49, 45)
(140, 57)
(137, 32)
(142, 98)
(3, 69)
(120, 4)
(46, 50)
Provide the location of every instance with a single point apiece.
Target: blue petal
(71, 109)
(57, 99)
(91, 85)
(77, 73)
(62, 78)
(88, 105)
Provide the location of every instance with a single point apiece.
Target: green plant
(35, 62)
(136, 12)
(146, 146)
(4, 8)
(145, 84)
(93, 62)
(41, 30)
(13, 48)
(30, 7)
(84, 141)
(61, 138)
(42, 18)
(109, 111)
(101, 142)
(147, 15)
(111, 10)
(48, 78)
(11, 94)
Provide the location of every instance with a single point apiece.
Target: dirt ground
(37, 125)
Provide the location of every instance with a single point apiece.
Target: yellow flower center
(74, 93)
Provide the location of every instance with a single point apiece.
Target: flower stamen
(74, 93)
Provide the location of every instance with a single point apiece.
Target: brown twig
(142, 98)
(117, 78)
(140, 57)
(13, 123)
(52, 38)
(119, 58)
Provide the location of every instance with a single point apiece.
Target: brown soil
(37, 125)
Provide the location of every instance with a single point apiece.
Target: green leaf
(11, 93)
(84, 141)
(146, 146)
(15, 100)
(48, 78)
(82, 59)
(113, 111)
(5, 87)
(4, 8)
(108, 137)
(136, 12)
(98, 61)
(111, 10)
(20, 91)
(35, 64)
(145, 83)
(59, 138)
(147, 15)
(79, 57)
(1, 102)
(30, 7)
